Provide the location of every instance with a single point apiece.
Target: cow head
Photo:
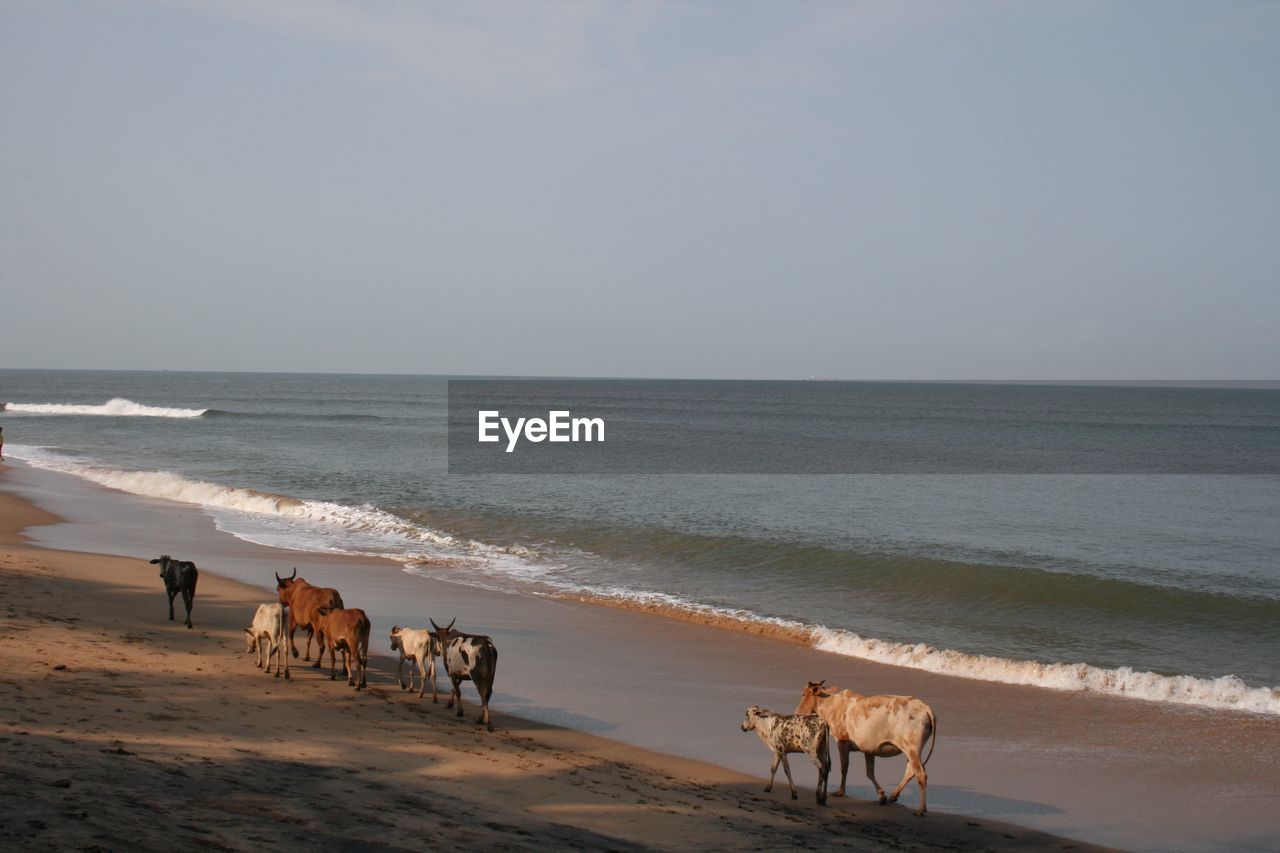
(162, 562)
(250, 641)
(395, 638)
(753, 712)
(442, 634)
(813, 691)
(283, 584)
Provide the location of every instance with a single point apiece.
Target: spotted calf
(782, 733)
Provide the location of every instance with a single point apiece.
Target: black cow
(179, 577)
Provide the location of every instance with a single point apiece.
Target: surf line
(558, 426)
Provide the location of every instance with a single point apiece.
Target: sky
(863, 190)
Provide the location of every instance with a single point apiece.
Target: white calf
(268, 629)
(419, 647)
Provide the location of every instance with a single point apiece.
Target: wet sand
(1115, 771)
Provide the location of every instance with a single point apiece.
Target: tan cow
(306, 605)
(876, 726)
(346, 631)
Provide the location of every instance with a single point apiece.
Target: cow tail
(933, 721)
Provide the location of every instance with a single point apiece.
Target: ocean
(1157, 586)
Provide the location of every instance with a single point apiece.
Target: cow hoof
(918, 814)
(315, 665)
(404, 686)
(794, 797)
(882, 800)
(333, 678)
(490, 726)
(295, 654)
(288, 677)
(839, 793)
(822, 801)
(277, 675)
(768, 789)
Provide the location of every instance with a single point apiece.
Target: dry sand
(121, 730)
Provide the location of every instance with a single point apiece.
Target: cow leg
(188, 598)
(400, 674)
(431, 672)
(786, 768)
(914, 770)
(871, 774)
(257, 652)
(457, 695)
(773, 771)
(319, 636)
(333, 668)
(293, 628)
(842, 747)
(824, 769)
(284, 658)
(484, 703)
(173, 593)
(422, 679)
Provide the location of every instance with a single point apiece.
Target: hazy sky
(782, 189)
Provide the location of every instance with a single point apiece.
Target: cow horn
(295, 573)
(455, 619)
(433, 624)
(277, 574)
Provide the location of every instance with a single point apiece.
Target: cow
(306, 605)
(420, 647)
(805, 733)
(468, 657)
(268, 630)
(346, 631)
(880, 726)
(180, 576)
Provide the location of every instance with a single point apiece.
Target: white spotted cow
(419, 647)
(468, 657)
(268, 630)
(805, 733)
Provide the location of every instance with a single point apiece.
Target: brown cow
(306, 605)
(346, 631)
(875, 726)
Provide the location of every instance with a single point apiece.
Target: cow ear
(155, 561)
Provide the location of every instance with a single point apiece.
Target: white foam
(117, 407)
(281, 521)
(1227, 692)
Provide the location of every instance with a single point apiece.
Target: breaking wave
(314, 525)
(117, 407)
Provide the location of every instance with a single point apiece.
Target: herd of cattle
(342, 630)
(876, 726)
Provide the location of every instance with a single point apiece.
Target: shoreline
(1056, 761)
(177, 721)
(1207, 690)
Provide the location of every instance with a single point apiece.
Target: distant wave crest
(367, 530)
(117, 407)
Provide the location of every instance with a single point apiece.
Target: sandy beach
(247, 760)
(122, 730)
